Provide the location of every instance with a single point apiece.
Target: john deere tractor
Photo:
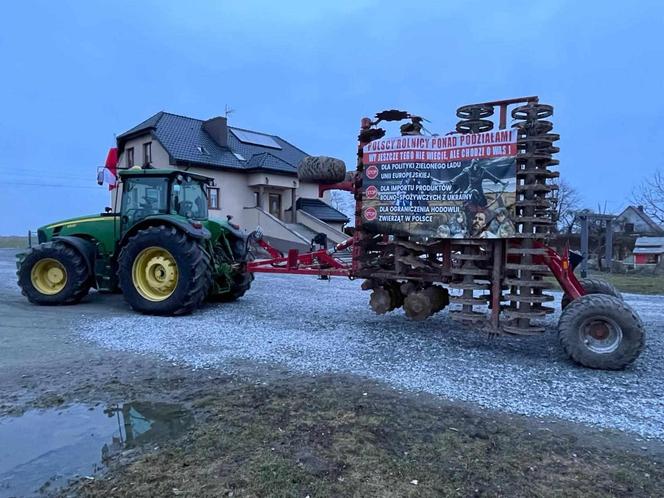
(160, 249)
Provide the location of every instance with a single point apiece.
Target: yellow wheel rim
(155, 273)
(48, 276)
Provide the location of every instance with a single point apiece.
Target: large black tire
(192, 265)
(600, 331)
(76, 275)
(241, 284)
(321, 169)
(593, 286)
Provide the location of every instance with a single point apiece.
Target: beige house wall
(160, 157)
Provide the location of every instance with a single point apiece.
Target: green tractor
(160, 249)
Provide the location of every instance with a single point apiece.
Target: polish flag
(109, 173)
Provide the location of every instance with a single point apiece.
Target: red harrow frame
(405, 272)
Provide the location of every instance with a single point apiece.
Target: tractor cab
(159, 192)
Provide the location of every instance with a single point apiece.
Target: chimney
(218, 130)
(640, 208)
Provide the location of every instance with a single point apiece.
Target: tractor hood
(79, 219)
(101, 227)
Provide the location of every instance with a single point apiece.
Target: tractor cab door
(188, 199)
(141, 197)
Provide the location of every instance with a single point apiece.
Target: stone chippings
(312, 327)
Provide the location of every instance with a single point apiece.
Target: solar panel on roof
(249, 137)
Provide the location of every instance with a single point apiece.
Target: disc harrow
(533, 219)
(411, 252)
(471, 273)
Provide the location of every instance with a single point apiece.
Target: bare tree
(650, 195)
(344, 202)
(566, 203)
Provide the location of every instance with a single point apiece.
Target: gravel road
(311, 326)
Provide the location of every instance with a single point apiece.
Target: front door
(274, 205)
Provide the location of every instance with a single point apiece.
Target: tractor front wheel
(53, 273)
(162, 271)
(600, 331)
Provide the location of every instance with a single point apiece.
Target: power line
(48, 172)
(37, 176)
(49, 185)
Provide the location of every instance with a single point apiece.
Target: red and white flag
(109, 173)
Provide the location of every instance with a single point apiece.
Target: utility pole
(608, 248)
(584, 245)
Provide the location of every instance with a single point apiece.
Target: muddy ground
(263, 429)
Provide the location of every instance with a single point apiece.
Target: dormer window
(202, 150)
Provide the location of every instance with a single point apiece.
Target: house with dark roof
(634, 221)
(255, 174)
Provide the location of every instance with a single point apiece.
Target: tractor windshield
(188, 199)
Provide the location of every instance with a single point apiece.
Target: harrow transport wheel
(53, 273)
(164, 272)
(321, 169)
(593, 286)
(600, 331)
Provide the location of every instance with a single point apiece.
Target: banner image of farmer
(454, 186)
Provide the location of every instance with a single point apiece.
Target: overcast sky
(76, 73)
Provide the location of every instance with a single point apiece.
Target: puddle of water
(46, 448)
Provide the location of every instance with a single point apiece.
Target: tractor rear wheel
(241, 284)
(600, 331)
(162, 271)
(53, 273)
(593, 286)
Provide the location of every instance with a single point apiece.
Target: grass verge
(632, 284)
(13, 242)
(332, 437)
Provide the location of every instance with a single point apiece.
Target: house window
(147, 153)
(257, 199)
(130, 157)
(213, 198)
(274, 205)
